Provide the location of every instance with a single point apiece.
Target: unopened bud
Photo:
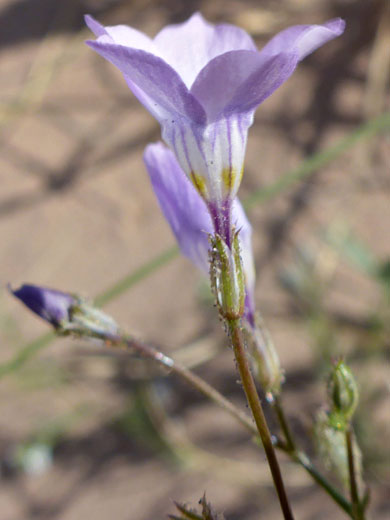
(342, 392)
(51, 305)
(68, 313)
(265, 359)
(227, 278)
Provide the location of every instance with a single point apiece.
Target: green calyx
(227, 277)
(86, 320)
(342, 393)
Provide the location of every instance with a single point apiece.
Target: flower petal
(121, 35)
(189, 46)
(165, 94)
(238, 81)
(182, 206)
(212, 156)
(94, 26)
(304, 39)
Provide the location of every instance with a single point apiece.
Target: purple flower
(51, 305)
(189, 218)
(203, 84)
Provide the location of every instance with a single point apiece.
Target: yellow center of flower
(229, 178)
(199, 183)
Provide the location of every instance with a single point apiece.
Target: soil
(77, 213)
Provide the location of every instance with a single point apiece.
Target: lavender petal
(182, 206)
(304, 39)
(121, 35)
(238, 81)
(189, 46)
(161, 88)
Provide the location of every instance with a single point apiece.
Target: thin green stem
(357, 512)
(276, 403)
(258, 414)
(172, 366)
(301, 458)
(211, 393)
(147, 351)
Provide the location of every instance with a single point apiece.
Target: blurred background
(85, 434)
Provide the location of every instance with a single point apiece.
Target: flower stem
(276, 403)
(301, 458)
(147, 351)
(357, 512)
(258, 414)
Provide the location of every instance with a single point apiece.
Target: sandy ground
(77, 213)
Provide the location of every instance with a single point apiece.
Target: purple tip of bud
(51, 305)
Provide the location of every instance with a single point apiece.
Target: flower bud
(69, 314)
(227, 277)
(342, 392)
(265, 359)
(51, 305)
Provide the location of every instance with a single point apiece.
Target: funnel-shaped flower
(203, 84)
(188, 216)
